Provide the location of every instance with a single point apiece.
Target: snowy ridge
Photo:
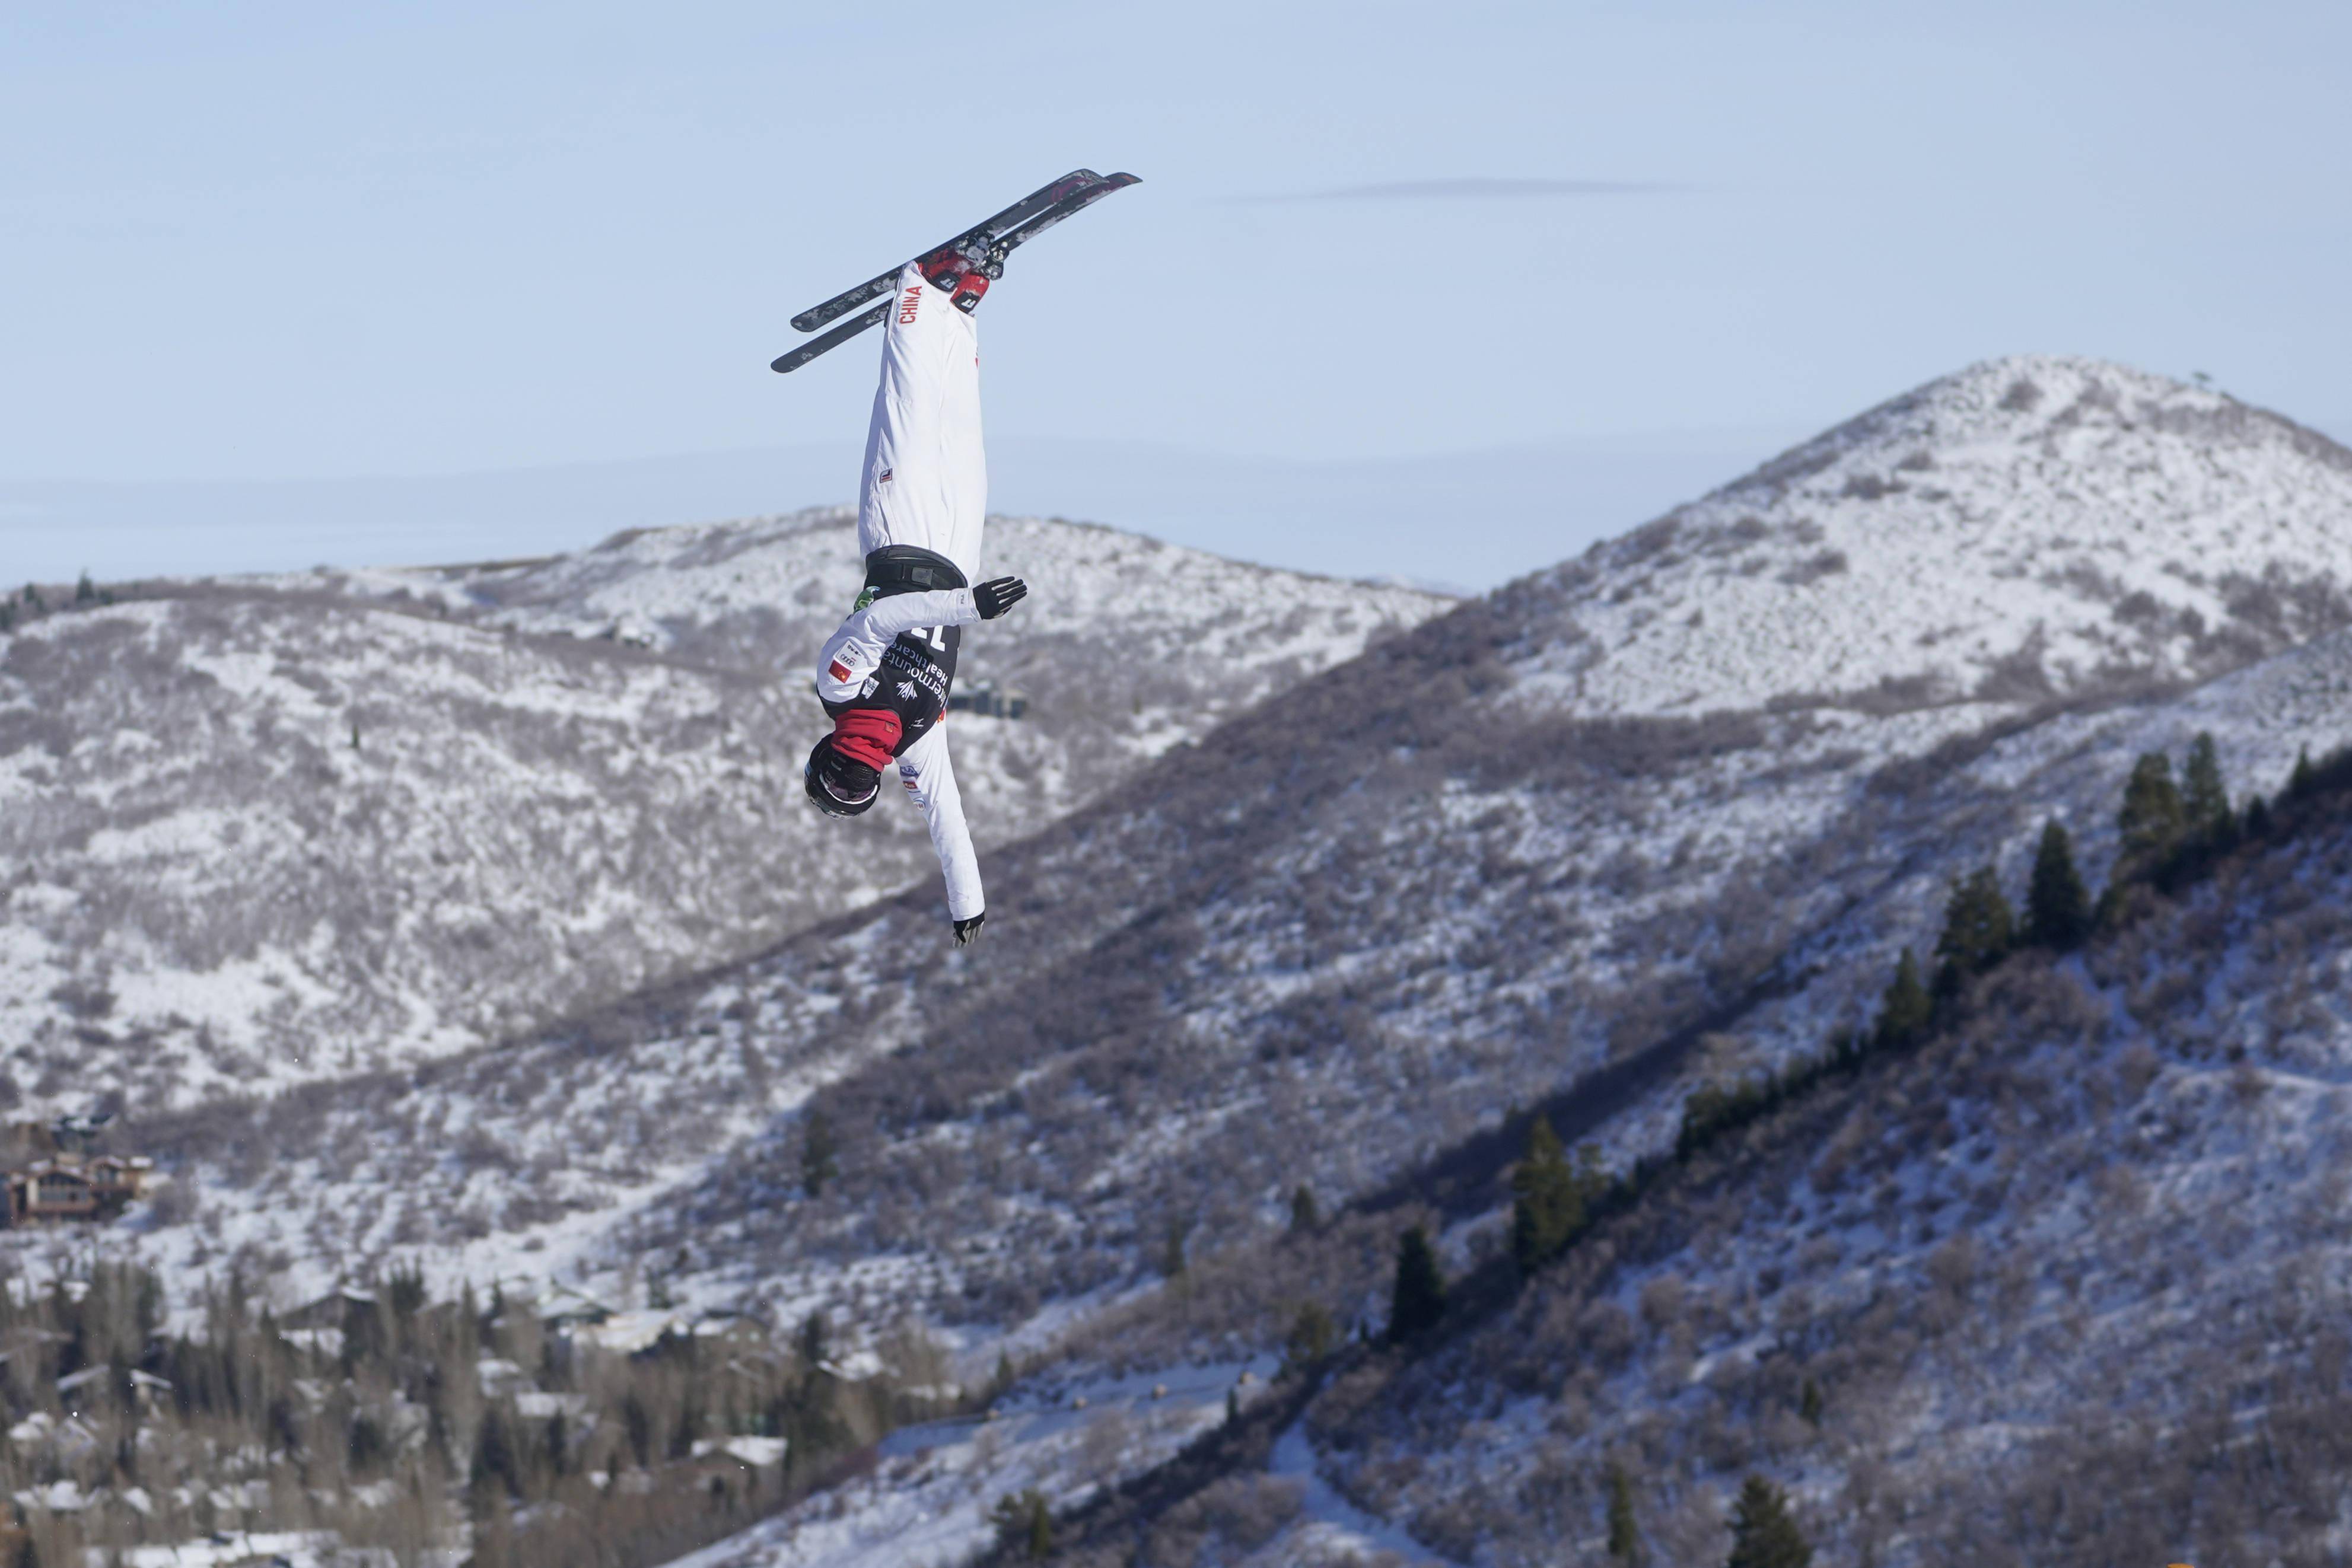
(2030, 526)
(267, 830)
(1201, 637)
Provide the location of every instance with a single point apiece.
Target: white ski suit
(926, 484)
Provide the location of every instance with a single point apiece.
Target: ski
(1033, 220)
(787, 362)
(874, 287)
(1079, 201)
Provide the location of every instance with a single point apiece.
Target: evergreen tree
(2257, 815)
(1978, 930)
(1313, 1337)
(1762, 1534)
(1546, 1207)
(638, 1425)
(2205, 797)
(811, 1340)
(690, 1424)
(1905, 1010)
(1171, 1250)
(818, 1164)
(1809, 1403)
(2057, 906)
(1304, 1216)
(495, 1459)
(2299, 783)
(2152, 818)
(85, 591)
(1419, 1300)
(1624, 1533)
(1040, 1528)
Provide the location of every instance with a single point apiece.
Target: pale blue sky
(277, 241)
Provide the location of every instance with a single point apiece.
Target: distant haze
(1462, 521)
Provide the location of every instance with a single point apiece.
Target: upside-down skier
(885, 675)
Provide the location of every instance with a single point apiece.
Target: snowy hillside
(267, 830)
(1201, 637)
(1550, 848)
(2028, 527)
(1339, 936)
(2070, 1280)
(1048, 1100)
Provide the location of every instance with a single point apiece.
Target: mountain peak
(2028, 526)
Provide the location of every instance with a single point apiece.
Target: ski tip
(785, 363)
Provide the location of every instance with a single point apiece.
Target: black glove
(968, 931)
(998, 595)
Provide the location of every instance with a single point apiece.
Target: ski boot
(964, 268)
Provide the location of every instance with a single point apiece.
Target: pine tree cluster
(30, 603)
(2170, 833)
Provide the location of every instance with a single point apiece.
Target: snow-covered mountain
(2030, 526)
(260, 832)
(1350, 928)
(1669, 809)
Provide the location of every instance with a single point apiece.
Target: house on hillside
(69, 1187)
(747, 1465)
(561, 1309)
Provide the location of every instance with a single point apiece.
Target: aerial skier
(883, 677)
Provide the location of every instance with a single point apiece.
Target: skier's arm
(930, 777)
(884, 619)
(855, 650)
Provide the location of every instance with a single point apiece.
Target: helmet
(841, 786)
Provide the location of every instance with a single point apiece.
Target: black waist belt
(908, 569)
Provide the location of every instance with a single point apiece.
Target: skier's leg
(925, 481)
